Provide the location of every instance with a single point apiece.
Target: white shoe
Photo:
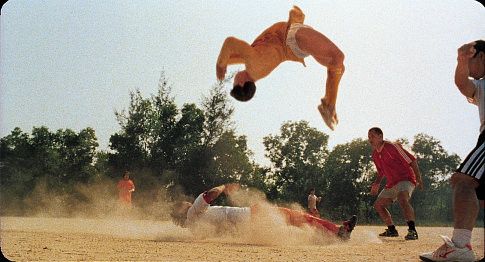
(449, 252)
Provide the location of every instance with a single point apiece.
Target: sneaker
(412, 235)
(389, 233)
(449, 252)
(346, 229)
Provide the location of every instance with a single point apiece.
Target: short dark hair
(376, 130)
(244, 93)
(479, 47)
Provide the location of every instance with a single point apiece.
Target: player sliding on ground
(283, 41)
(200, 212)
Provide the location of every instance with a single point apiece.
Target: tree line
(192, 148)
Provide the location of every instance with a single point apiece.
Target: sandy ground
(27, 239)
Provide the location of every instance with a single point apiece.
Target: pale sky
(71, 64)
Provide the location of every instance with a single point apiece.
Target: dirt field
(27, 239)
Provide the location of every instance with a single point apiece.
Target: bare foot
(328, 114)
(335, 117)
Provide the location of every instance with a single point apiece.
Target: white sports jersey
(479, 100)
(203, 212)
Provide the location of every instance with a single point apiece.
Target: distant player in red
(200, 213)
(401, 171)
(125, 188)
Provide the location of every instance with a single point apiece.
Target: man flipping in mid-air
(283, 41)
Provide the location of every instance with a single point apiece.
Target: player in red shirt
(401, 171)
(125, 188)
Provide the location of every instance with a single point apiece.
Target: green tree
(230, 159)
(218, 113)
(297, 158)
(436, 166)
(76, 154)
(184, 150)
(157, 141)
(222, 156)
(61, 159)
(131, 145)
(16, 167)
(164, 133)
(189, 130)
(349, 171)
(187, 145)
(149, 131)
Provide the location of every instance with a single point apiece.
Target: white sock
(461, 237)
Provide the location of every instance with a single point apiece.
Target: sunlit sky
(71, 64)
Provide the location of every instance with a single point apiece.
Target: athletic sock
(461, 237)
(411, 225)
(392, 228)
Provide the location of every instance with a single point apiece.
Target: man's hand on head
(466, 51)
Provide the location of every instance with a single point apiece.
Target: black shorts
(474, 165)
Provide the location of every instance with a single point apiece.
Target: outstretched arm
(214, 193)
(233, 51)
(464, 84)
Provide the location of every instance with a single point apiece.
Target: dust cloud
(96, 200)
(268, 227)
(96, 211)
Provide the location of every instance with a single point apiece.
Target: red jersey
(124, 187)
(394, 162)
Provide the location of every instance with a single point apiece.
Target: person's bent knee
(338, 58)
(403, 198)
(336, 61)
(380, 203)
(230, 40)
(333, 61)
(336, 70)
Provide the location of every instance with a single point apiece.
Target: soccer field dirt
(27, 239)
